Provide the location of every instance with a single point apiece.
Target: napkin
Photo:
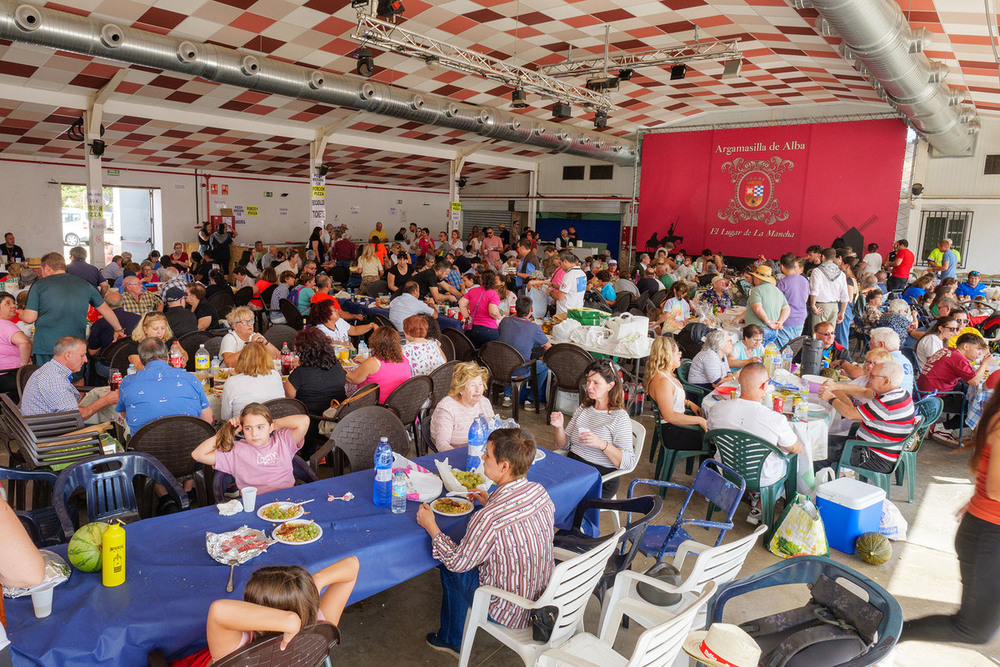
(421, 484)
(230, 508)
(451, 482)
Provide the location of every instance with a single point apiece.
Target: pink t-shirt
(479, 306)
(269, 468)
(388, 377)
(557, 277)
(10, 355)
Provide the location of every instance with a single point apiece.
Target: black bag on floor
(834, 627)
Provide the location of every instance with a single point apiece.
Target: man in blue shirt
(944, 259)
(523, 335)
(160, 390)
(971, 288)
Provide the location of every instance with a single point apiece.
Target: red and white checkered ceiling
(786, 62)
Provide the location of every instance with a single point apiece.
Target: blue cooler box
(848, 509)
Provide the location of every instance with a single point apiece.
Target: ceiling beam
(241, 123)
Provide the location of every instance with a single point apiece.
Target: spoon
(232, 566)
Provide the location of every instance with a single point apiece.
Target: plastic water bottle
(362, 349)
(382, 491)
(131, 370)
(495, 423)
(399, 492)
(478, 434)
(786, 359)
(201, 359)
(176, 355)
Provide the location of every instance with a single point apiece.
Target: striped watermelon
(85, 547)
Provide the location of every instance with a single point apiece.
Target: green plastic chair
(692, 391)
(745, 453)
(667, 458)
(930, 409)
(883, 480)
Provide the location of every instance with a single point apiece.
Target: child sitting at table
(276, 600)
(263, 458)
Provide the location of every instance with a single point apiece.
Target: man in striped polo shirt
(886, 415)
(508, 544)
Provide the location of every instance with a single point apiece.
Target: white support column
(454, 212)
(532, 199)
(317, 182)
(95, 183)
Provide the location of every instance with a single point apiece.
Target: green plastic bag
(800, 531)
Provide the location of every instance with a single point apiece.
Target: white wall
(30, 203)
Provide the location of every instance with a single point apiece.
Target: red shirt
(944, 369)
(903, 270)
(321, 296)
(343, 250)
(981, 505)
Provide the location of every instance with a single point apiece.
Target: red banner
(770, 190)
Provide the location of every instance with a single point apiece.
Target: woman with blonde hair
(241, 320)
(665, 389)
(465, 401)
(152, 324)
(255, 380)
(369, 267)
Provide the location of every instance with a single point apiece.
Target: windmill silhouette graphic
(853, 236)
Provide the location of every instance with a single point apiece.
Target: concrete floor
(922, 574)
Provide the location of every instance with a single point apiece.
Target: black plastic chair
(41, 522)
(310, 647)
(464, 349)
(280, 334)
(441, 381)
(214, 345)
(575, 540)
(223, 302)
(381, 320)
(24, 373)
(623, 303)
(339, 274)
(171, 440)
(566, 363)
(243, 296)
(293, 317)
(447, 348)
(502, 360)
(108, 483)
(357, 435)
(406, 400)
(364, 396)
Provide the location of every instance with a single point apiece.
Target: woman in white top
(325, 317)
(455, 413)
(872, 262)
(710, 367)
(255, 381)
(241, 320)
(422, 353)
(600, 432)
(456, 243)
(750, 349)
(665, 389)
(932, 341)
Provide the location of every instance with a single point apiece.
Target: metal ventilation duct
(60, 30)
(875, 34)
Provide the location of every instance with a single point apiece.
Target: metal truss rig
(372, 30)
(714, 50)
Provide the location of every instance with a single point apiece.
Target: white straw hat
(723, 645)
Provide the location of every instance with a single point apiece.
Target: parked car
(75, 226)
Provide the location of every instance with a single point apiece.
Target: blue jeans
(770, 335)
(543, 373)
(346, 263)
(843, 331)
(787, 333)
(457, 591)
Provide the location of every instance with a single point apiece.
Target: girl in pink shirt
(277, 600)
(263, 458)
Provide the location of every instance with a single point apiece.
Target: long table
(355, 308)
(171, 580)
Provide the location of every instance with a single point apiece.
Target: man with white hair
(887, 339)
(886, 415)
(747, 413)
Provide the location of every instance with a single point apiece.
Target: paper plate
(283, 505)
(457, 500)
(299, 522)
(539, 454)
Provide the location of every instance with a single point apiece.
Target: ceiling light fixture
(562, 110)
(388, 8)
(97, 148)
(678, 72)
(322, 170)
(732, 69)
(366, 64)
(518, 98)
(625, 74)
(600, 120)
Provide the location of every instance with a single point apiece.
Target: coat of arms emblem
(754, 182)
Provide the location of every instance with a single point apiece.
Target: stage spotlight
(625, 74)
(562, 110)
(519, 98)
(600, 119)
(461, 182)
(732, 69)
(389, 8)
(678, 72)
(97, 148)
(366, 64)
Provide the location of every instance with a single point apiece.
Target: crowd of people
(501, 283)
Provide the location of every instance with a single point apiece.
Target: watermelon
(873, 548)
(85, 547)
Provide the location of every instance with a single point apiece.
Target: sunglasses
(826, 335)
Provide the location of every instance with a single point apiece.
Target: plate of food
(300, 531)
(469, 480)
(539, 454)
(280, 511)
(451, 506)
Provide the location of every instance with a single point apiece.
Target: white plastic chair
(719, 564)
(569, 589)
(660, 645)
(638, 440)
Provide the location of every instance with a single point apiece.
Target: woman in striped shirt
(600, 432)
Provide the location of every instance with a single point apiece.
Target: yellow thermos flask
(113, 555)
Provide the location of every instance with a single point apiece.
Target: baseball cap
(175, 293)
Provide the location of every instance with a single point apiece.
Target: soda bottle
(114, 379)
(382, 490)
(176, 355)
(399, 492)
(201, 358)
(478, 433)
(286, 360)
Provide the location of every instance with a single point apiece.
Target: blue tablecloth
(357, 308)
(171, 579)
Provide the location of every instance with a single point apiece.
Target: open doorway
(133, 221)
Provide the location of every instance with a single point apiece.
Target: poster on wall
(770, 190)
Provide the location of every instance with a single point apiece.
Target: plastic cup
(249, 494)
(42, 602)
